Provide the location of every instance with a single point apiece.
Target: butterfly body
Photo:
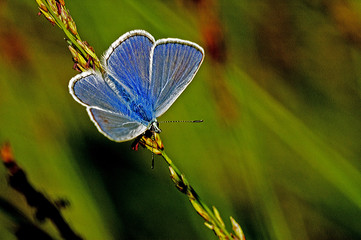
(142, 79)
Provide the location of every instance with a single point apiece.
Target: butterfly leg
(152, 152)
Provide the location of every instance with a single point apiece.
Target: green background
(279, 93)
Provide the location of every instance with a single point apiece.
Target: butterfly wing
(115, 126)
(127, 64)
(109, 115)
(90, 89)
(174, 64)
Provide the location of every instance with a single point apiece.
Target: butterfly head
(154, 127)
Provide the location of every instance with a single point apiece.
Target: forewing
(127, 63)
(90, 89)
(173, 66)
(115, 126)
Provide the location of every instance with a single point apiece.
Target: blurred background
(279, 93)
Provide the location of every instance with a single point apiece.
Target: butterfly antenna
(188, 121)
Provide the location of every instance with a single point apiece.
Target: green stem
(210, 213)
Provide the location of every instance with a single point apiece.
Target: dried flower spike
(152, 141)
(56, 13)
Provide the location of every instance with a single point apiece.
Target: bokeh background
(279, 93)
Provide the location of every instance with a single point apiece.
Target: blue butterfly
(142, 79)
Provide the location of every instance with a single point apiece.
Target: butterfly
(142, 79)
